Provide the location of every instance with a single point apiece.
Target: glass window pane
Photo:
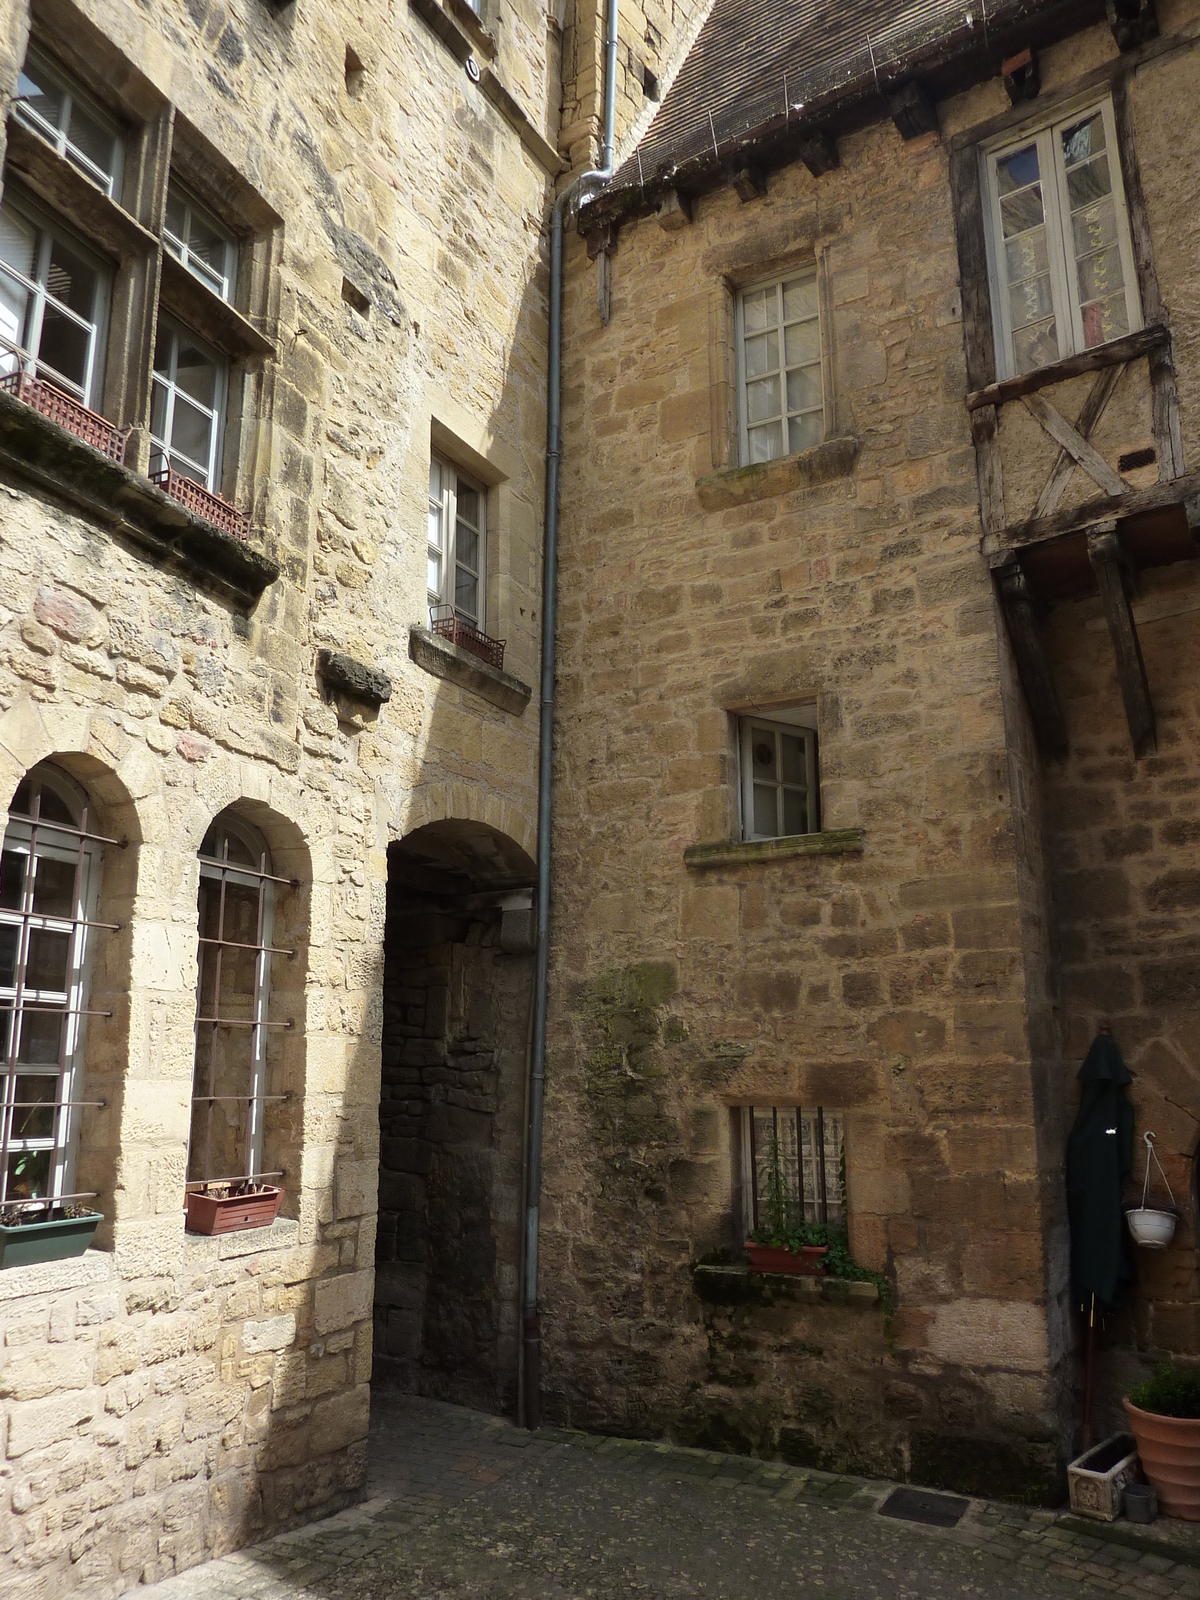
(766, 823)
(30, 1122)
(206, 245)
(800, 298)
(1022, 211)
(1026, 256)
(191, 431)
(433, 574)
(1104, 320)
(805, 431)
(64, 346)
(12, 879)
(1088, 183)
(1083, 140)
(164, 347)
(762, 354)
(175, 222)
(1100, 274)
(1017, 170)
(803, 344)
(51, 808)
(468, 504)
(46, 966)
(71, 280)
(37, 96)
(466, 547)
(435, 481)
(435, 527)
(762, 399)
(795, 811)
(762, 753)
(94, 142)
(766, 444)
(759, 310)
(1095, 227)
(1030, 301)
(792, 758)
(158, 410)
(803, 388)
(9, 936)
(54, 887)
(29, 1174)
(41, 1038)
(466, 593)
(196, 374)
(1035, 346)
(18, 241)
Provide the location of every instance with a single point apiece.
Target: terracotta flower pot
(807, 1262)
(1170, 1451)
(255, 1207)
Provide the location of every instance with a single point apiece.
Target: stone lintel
(738, 1285)
(450, 661)
(354, 677)
(39, 452)
(738, 486)
(740, 852)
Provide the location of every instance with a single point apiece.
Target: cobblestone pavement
(465, 1507)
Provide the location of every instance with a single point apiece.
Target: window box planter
(23, 1244)
(1099, 1477)
(807, 1262)
(228, 1208)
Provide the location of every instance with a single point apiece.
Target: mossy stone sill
(738, 486)
(741, 852)
(38, 451)
(739, 1285)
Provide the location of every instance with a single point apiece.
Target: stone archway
(458, 975)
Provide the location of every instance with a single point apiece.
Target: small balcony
(203, 502)
(456, 630)
(68, 413)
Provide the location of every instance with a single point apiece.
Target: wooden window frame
(1055, 204)
(446, 507)
(799, 721)
(809, 274)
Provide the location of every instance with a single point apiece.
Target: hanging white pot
(1152, 1229)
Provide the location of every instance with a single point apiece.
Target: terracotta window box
(203, 502)
(23, 1244)
(807, 1262)
(230, 1207)
(70, 414)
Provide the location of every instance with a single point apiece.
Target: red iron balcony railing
(203, 502)
(446, 625)
(68, 413)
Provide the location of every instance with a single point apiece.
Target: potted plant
(1164, 1414)
(776, 1245)
(225, 1206)
(44, 1230)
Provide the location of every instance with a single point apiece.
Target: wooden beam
(1022, 77)
(819, 152)
(988, 469)
(748, 184)
(1089, 416)
(1090, 459)
(978, 338)
(1075, 519)
(1032, 667)
(1112, 578)
(913, 112)
(1116, 353)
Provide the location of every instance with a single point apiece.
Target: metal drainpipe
(585, 185)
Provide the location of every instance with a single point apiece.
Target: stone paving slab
(466, 1507)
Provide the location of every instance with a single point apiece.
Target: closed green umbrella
(1099, 1159)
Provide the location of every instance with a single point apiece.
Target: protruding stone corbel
(1034, 670)
(819, 152)
(749, 184)
(913, 111)
(1022, 77)
(1133, 22)
(1114, 580)
(675, 213)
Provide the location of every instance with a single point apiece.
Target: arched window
(49, 879)
(229, 1086)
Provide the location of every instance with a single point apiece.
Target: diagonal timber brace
(1034, 671)
(1093, 410)
(1111, 567)
(1076, 446)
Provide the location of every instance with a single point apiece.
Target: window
(49, 879)
(1058, 242)
(229, 1087)
(195, 237)
(65, 117)
(781, 398)
(187, 408)
(53, 303)
(778, 762)
(798, 1154)
(456, 570)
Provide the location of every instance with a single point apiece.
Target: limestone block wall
(893, 984)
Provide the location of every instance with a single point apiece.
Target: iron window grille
(778, 763)
(197, 239)
(1059, 251)
(54, 295)
(229, 1086)
(806, 1144)
(49, 883)
(781, 390)
(66, 117)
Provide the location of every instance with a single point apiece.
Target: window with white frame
(187, 408)
(54, 295)
(793, 1162)
(456, 565)
(236, 921)
(197, 239)
(62, 114)
(49, 881)
(1059, 251)
(777, 757)
(781, 399)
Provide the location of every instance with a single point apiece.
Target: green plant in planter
(1172, 1392)
(777, 1214)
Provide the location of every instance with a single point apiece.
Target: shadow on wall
(458, 976)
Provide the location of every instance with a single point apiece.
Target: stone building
(876, 765)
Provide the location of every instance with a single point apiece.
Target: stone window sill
(738, 1285)
(450, 661)
(739, 486)
(56, 1277)
(282, 1234)
(38, 451)
(741, 852)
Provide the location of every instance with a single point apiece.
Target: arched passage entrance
(458, 974)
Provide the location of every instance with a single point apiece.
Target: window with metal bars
(229, 1087)
(799, 1151)
(49, 882)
